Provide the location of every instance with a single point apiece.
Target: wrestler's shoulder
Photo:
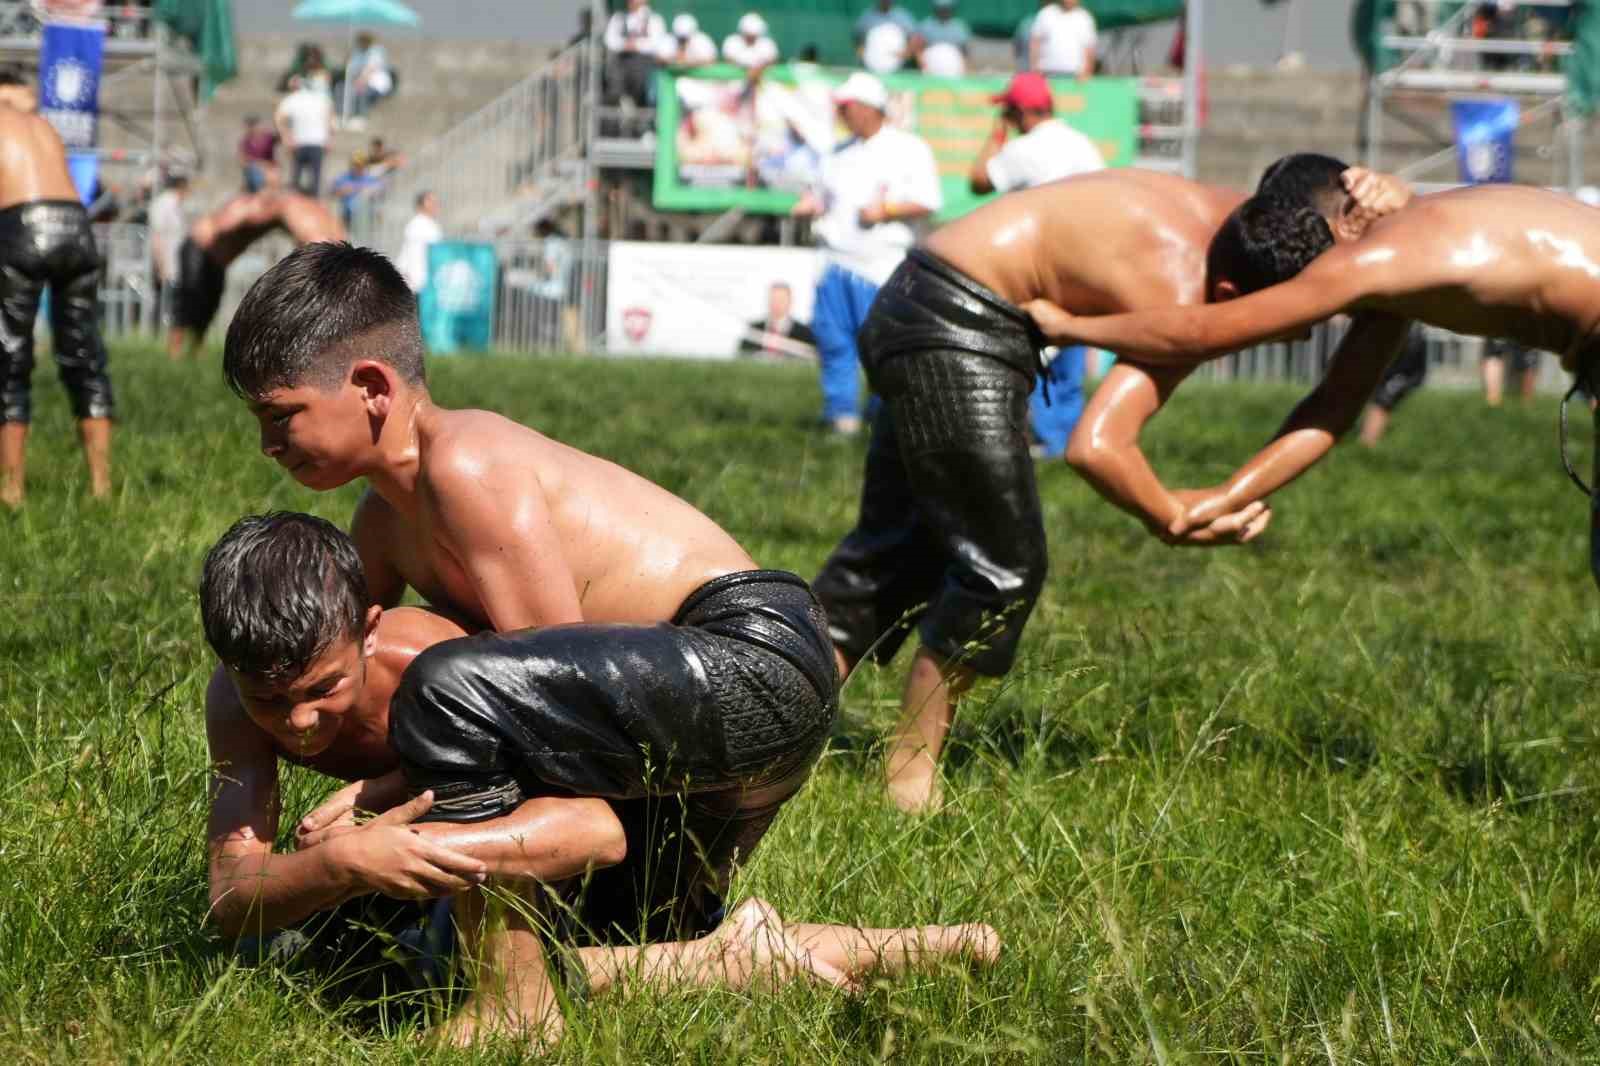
(471, 443)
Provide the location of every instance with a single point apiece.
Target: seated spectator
(348, 187)
(1063, 40)
(368, 78)
(942, 27)
(883, 11)
(779, 335)
(750, 48)
(885, 48)
(686, 45)
(258, 154)
(631, 38)
(939, 59)
(306, 56)
(381, 159)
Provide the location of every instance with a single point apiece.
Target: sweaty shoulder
(227, 726)
(474, 444)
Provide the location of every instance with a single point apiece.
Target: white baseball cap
(685, 25)
(752, 24)
(863, 88)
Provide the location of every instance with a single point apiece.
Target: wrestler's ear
(376, 384)
(369, 637)
(1348, 223)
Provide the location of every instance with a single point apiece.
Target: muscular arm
(1319, 420)
(370, 529)
(1105, 446)
(544, 839)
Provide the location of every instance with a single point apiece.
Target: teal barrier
(457, 303)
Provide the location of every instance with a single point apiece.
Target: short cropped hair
(277, 590)
(1267, 240)
(294, 326)
(1306, 178)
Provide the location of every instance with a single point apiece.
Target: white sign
(699, 299)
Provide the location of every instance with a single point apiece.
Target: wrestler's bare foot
(913, 783)
(10, 494)
(502, 1016)
(752, 949)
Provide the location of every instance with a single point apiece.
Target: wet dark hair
(277, 590)
(1306, 178)
(294, 325)
(1267, 240)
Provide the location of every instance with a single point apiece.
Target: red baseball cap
(1029, 92)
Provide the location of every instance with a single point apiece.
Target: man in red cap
(1045, 149)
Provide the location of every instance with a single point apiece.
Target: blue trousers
(842, 301)
(1053, 422)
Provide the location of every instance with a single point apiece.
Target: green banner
(723, 142)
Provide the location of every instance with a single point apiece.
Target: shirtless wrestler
(950, 532)
(45, 239)
(308, 668)
(217, 239)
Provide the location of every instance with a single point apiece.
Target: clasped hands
(1205, 521)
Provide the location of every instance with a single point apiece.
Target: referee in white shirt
(871, 188)
(1045, 149)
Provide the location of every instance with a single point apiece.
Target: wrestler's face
(318, 435)
(304, 714)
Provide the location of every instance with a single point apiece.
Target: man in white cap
(871, 189)
(686, 45)
(750, 48)
(1046, 150)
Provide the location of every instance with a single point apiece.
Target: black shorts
(200, 284)
(950, 535)
(727, 706)
(1521, 357)
(1406, 374)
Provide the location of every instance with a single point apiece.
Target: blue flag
(1485, 139)
(457, 303)
(70, 59)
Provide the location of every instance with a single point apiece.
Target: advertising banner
(703, 299)
(457, 304)
(70, 59)
(1485, 139)
(723, 141)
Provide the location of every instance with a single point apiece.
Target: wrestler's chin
(317, 476)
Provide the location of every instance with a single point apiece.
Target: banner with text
(724, 142)
(701, 299)
(70, 60)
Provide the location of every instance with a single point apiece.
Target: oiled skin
(33, 161)
(226, 232)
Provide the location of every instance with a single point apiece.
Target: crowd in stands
(1488, 20)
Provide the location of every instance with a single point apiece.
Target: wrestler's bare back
(226, 232)
(1114, 240)
(634, 550)
(33, 161)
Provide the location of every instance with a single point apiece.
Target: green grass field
(1326, 799)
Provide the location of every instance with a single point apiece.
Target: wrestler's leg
(858, 952)
(13, 462)
(934, 686)
(512, 993)
(81, 362)
(19, 305)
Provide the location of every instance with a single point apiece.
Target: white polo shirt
(891, 166)
(698, 50)
(1052, 150)
(1065, 38)
(761, 52)
(883, 50)
(309, 116)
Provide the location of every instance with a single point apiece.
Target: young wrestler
(45, 239)
(1492, 260)
(217, 239)
(950, 528)
(308, 667)
(693, 672)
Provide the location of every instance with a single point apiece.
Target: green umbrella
(369, 12)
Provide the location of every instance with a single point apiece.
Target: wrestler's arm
(371, 530)
(1342, 279)
(254, 889)
(1105, 446)
(505, 541)
(1317, 422)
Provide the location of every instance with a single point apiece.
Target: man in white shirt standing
(168, 228)
(305, 122)
(871, 189)
(1046, 149)
(686, 46)
(1063, 40)
(422, 231)
(750, 48)
(632, 37)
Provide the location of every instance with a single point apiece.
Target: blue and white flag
(1485, 139)
(70, 60)
(456, 305)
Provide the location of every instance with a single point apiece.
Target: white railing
(521, 152)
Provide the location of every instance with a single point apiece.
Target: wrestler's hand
(387, 856)
(1053, 322)
(339, 812)
(1205, 524)
(1374, 194)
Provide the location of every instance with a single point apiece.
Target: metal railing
(521, 154)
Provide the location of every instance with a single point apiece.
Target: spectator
(1022, 43)
(1525, 361)
(1062, 42)
(1405, 375)
(686, 46)
(306, 57)
(383, 160)
(779, 335)
(422, 231)
(945, 41)
(750, 48)
(168, 228)
(258, 154)
(872, 188)
(883, 11)
(555, 313)
(885, 47)
(348, 187)
(632, 37)
(1046, 149)
(305, 122)
(368, 78)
